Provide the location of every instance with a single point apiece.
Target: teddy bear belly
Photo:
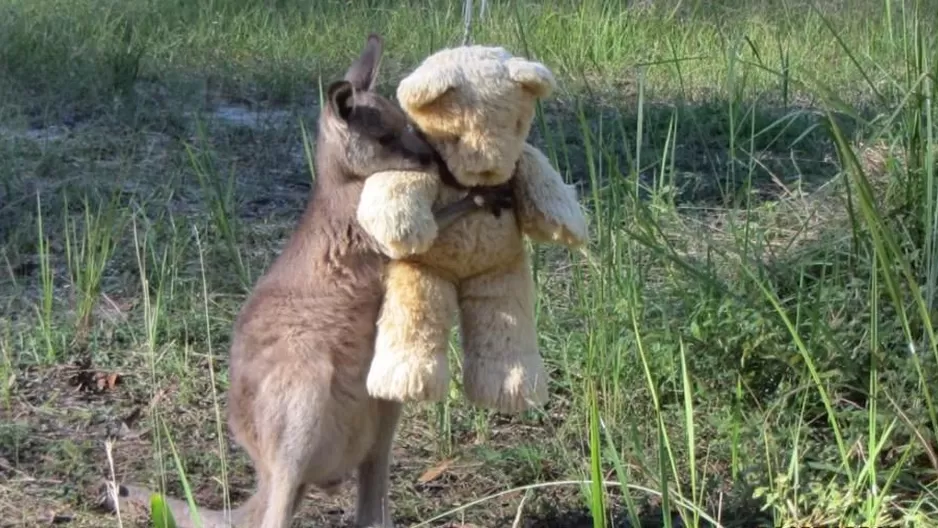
(474, 244)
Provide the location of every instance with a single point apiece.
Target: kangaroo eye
(386, 139)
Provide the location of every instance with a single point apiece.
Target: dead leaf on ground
(435, 472)
(107, 381)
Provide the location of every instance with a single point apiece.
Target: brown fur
(304, 339)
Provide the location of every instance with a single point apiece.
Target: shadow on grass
(711, 150)
(710, 154)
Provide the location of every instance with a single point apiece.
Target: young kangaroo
(304, 340)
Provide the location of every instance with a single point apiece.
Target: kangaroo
(304, 339)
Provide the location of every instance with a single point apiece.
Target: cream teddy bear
(475, 105)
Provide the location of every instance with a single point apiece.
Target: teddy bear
(475, 104)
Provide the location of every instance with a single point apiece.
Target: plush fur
(475, 104)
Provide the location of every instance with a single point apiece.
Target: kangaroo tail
(135, 500)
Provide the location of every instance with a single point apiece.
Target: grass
(748, 341)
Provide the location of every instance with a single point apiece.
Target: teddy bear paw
(571, 238)
(509, 388)
(408, 377)
(412, 242)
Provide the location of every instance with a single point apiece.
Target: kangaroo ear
(339, 95)
(363, 73)
(533, 76)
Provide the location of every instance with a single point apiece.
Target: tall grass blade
(597, 490)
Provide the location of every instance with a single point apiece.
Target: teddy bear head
(476, 104)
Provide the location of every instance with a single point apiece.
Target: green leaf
(160, 515)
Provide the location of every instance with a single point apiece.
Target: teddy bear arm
(396, 209)
(547, 207)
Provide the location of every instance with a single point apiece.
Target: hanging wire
(467, 21)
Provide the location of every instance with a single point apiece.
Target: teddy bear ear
(424, 87)
(533, 76)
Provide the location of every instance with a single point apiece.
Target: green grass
(747, 342)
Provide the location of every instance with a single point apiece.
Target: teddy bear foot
(408, 376)
(508, 387)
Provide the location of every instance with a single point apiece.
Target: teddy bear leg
(503, 368)
(416, 316)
